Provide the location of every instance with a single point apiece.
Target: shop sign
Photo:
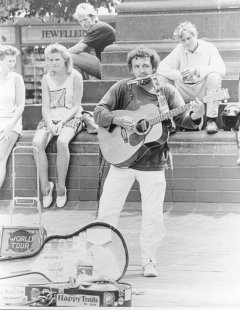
(52, 34)
(7, 35)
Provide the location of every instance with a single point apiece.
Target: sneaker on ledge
(211, 127)
(149, 270)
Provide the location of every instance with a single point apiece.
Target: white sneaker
(149, 270)
(61, 200)
(47, 200)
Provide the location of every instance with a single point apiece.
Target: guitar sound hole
(142, 126)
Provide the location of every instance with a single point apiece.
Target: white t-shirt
(8, 102)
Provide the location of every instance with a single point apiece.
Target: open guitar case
(80, 269)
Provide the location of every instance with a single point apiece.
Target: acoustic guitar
(121, 147)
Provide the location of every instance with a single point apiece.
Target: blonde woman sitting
(12, 102)
(62, 89)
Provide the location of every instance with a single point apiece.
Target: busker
(148, 169)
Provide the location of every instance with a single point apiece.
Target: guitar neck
(169, 114)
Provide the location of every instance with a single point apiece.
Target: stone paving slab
(198, 261)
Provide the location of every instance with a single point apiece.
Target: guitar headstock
(221, 95)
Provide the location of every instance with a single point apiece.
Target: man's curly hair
(142, 52)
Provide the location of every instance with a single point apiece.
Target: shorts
(74, 123)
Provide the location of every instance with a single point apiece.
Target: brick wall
(204, 169)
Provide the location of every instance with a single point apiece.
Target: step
(143, 26)
(120, 70)
(32, 114)
(117, 56)
(101, 87)
(204, 169)
(94, 90)
(112, 73)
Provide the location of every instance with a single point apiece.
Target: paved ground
(198, 262)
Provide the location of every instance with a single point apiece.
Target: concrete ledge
(184, 142)
(180, 137)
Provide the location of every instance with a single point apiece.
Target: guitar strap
(163, 108)
(162, 101)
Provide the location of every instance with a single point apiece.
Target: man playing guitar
(152, 158)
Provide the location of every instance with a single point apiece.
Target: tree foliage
(57, 7)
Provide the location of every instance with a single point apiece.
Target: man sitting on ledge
(196, 68)
(99, 35)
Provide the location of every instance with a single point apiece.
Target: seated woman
(12, 102)
(62, 89)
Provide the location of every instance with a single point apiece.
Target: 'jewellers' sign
(52, 33)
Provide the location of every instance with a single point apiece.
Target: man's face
(189, 41)
(86, 22)
(141, 67)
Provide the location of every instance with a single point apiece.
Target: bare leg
(5, 150)
(40, 141)
(63, 157)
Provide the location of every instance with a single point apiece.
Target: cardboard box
(12, 294)
(74, 297)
